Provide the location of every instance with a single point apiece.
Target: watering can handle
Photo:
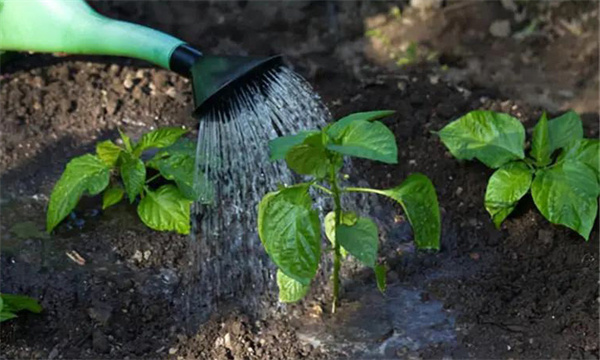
(72, 26)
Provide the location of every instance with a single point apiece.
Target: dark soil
(528, 290)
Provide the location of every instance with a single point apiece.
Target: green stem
(366, 190)
(336, 251)
(530, 163)
(323, 188)
(152, 178)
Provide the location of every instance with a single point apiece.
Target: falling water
(232, 155)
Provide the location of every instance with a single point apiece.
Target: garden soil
(111, 288)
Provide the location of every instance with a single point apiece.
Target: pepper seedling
(119, 170)
(562, 169)
(289, 226)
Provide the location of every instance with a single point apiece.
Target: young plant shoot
(12, 304)
(119, 171)
(289, 226)
(561, 170)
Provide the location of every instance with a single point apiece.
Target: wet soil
(528, 290)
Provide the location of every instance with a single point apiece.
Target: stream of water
(232, 155)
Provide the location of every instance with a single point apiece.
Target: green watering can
(73, 27)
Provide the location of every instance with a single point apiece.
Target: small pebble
(171, 92)
(137, 256)
(500, 28)
(227, 341)
(219, 342)
(128, 83)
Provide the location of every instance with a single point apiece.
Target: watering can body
(73, 27)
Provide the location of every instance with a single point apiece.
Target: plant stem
(152, 178)
(323, 188)
(336, 251)
(367, 190)
(530, 163)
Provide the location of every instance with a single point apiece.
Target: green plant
(561, 170)
(11, 304)
(289, 227)
(166, 208)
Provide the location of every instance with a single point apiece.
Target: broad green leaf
(165, 210)
(564, 129)
(380, 277)
(5, 315)
(199, 189)
(177, 163)
(566, 194)
(290, 290)
(159, 138)
(369, 140)
(586, 151)
(279, 147)
(348, 218)
(360, 240)
(182, 147)
(493, 138)
(83, 173)
(540, 143)
(126, 141)
(133, 173)
(289, 230)
(112, 196)
(109, 152)
(309, 157)
(337, 128)
(16, 303)
(417, 197)
(505, 188)
(181, 170)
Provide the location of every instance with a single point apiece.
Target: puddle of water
(400, 323)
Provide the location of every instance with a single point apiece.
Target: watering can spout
(73, 27)
(216, 78)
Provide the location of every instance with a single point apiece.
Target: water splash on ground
(400, 324)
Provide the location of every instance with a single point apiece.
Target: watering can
(73, 27)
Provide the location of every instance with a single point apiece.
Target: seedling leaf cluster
(561, 169)
(12, 304)
(119, 171)
(289, 226)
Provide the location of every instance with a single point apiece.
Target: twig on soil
(78, 259)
